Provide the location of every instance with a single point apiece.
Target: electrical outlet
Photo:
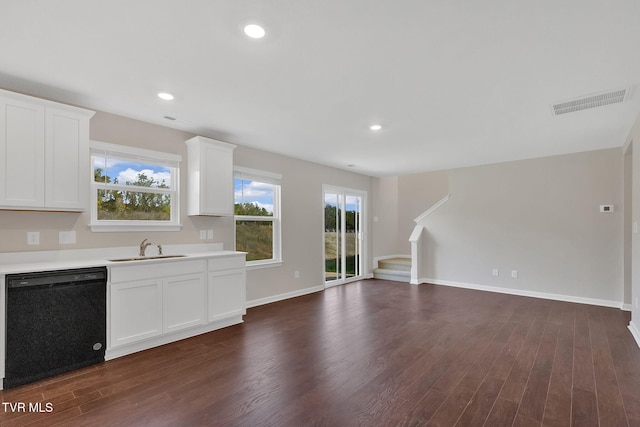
(296, 274)
(67, 237)
(495, 272)
(203, 234)
(210, 234)
(514, 274)
(33, 238)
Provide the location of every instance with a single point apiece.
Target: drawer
(152, 270)
(227, 262)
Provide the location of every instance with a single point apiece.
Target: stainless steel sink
(144, 258)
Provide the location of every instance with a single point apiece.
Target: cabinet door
(226, 294)
(136, 311)
(217, 186)
(184, 302)
(67, 155)
(210, 177)
(22, 161)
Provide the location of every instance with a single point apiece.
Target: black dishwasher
(56, 322)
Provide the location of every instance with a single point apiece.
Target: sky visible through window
(259, 193)
(353, 202)
(128, 171)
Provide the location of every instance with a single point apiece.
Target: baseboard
(280, 297)
(635, 332)
(626, 307)
(524, 293)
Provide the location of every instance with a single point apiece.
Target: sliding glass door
(343, 235)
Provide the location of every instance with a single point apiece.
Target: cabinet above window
(210, 177)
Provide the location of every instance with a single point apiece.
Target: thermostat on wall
(606, 208)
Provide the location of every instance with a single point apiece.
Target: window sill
(105, 228)
(256, 265)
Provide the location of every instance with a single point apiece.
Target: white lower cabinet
(136, 311)
(226, 294)
(227, 289)
(184, 302)
(151, 304)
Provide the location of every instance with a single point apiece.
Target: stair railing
(416, 240)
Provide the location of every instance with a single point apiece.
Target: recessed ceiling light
(375, 127)
(254, 31)
(166, 96)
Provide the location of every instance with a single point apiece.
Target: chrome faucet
(143, 246)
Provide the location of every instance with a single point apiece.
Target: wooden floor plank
(610, 405)
(480, 406)
(452, 408)
(502, 413)
(375, 353)
(584, 409)
(519, 375)
(557, 411)
(535, 393)
(583, 376)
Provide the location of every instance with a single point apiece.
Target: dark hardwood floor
(370, 353)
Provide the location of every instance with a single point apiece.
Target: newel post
(416, 254)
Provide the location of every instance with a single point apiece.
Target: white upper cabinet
(21, 153)
(209, 177)
(44, 154)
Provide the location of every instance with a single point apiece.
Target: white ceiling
(454, 83)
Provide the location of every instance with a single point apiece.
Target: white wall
(413, 200)
(539, 216)
(632, 144)
(384, 227)
(397, 202)
(302, 217)
(302, 210)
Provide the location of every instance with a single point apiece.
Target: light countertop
(25, 262)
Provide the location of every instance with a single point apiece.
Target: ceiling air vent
(591, 101)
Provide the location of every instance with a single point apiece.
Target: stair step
(396, 275)
(400, 264)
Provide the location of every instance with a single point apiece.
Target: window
(134, 189)
(257, 215)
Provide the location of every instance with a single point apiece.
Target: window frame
(170, 160)
(275, 179)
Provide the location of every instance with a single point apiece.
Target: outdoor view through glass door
(343, 237)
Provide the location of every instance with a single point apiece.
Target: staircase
(397, 269)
